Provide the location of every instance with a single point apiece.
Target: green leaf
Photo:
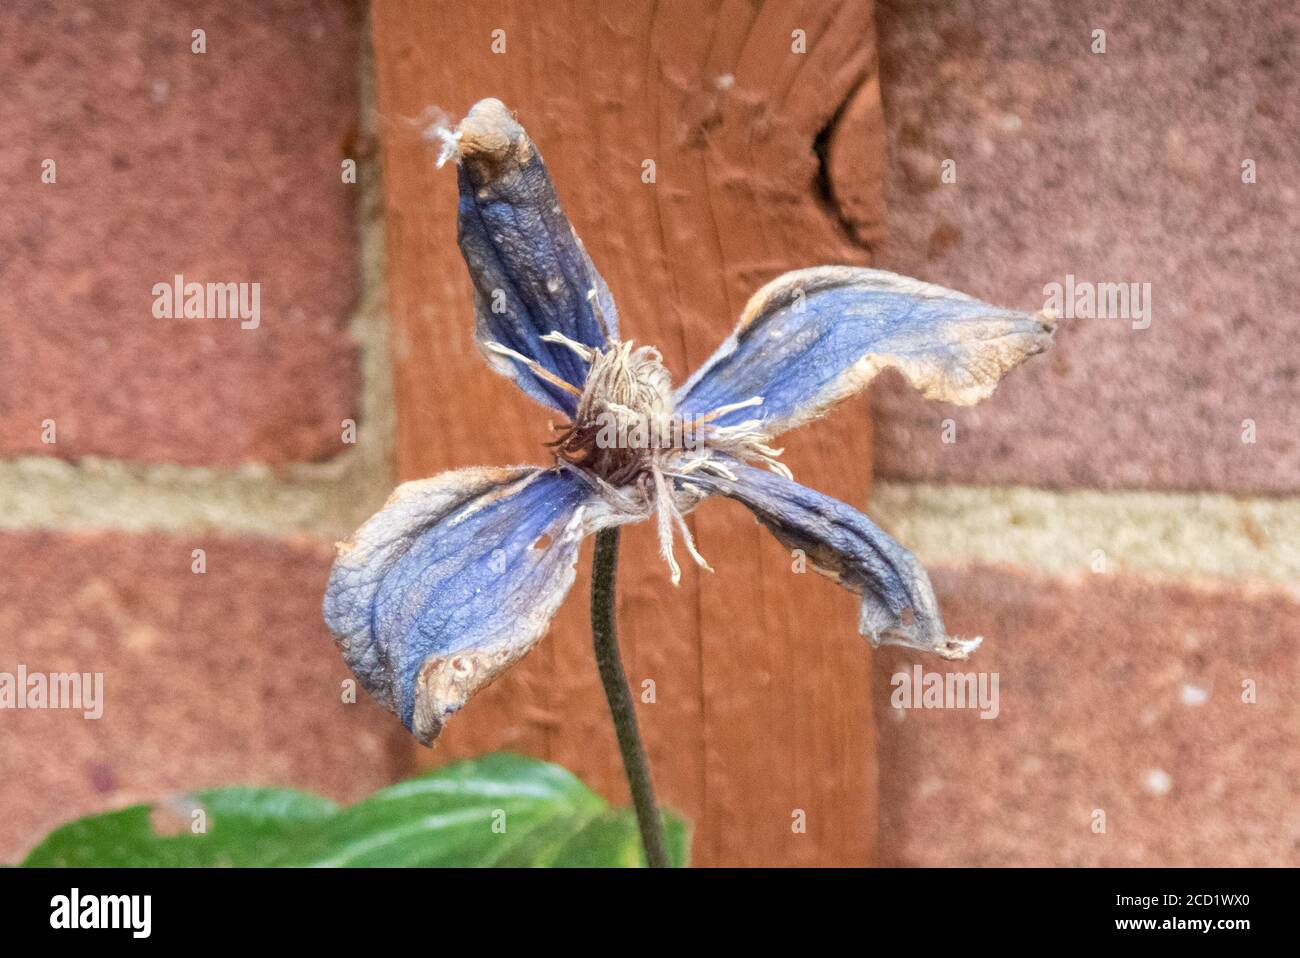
(499, 810)
(242, 826)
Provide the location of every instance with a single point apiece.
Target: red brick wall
(1121, 683)
(221, 166)
(1122, 166)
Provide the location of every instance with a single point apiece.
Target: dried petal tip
(959, 649)
(445, 683)
(436, 127)
(489, 133)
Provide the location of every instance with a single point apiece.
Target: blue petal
(452, 581)
(813, 337)
(898, 603)
(531, 274)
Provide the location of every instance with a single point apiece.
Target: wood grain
(761, 683)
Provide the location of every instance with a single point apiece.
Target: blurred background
(1120, 521)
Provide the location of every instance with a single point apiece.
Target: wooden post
(700, 149)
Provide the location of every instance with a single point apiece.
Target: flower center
(624, 424)
(639, 453)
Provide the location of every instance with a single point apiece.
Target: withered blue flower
(458, 576)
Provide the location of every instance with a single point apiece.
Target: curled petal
(898, 604)
(531, 274)
(815, 336)
(456, 578)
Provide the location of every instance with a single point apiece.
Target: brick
(222, 167)
(1116, 167)
(1111, 691)
(221, 678)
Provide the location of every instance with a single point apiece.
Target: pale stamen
(537, 368)
(748, 440)
(664, 508)
(731, 407)
(585, 352)
(705, 464)
(689, 541)
(593, 297)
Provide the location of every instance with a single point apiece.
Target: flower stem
(604, 636)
